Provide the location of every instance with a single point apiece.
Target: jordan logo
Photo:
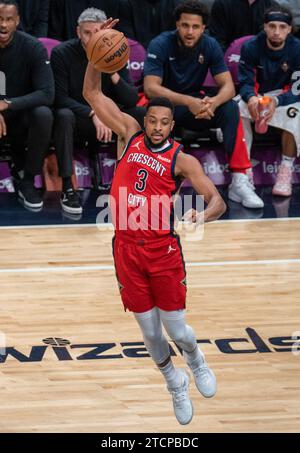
(137, 145)
(171, 249)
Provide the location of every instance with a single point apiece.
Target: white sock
(170, 375)
(195, 357)
(237, 177)
(288, 161)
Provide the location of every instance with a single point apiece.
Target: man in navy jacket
(269, 62)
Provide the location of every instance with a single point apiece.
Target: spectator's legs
(39, 136)
(283, 185)
(64, 130)
(228, 119)
(241, 190)
(64, 127)
(34, 127)
(17, 130)
(85, 129)
(289, 148)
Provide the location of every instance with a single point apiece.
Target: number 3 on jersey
(140, 186)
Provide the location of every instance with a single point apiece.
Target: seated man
(176, 67)
(25, 118)
(268, 62)
(73, 114)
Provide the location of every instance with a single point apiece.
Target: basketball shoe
(242, 191)
(283, 185)
(182, 404)
(204, 377)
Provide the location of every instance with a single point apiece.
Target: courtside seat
(49, 44)
(232, 57)
(136, 63)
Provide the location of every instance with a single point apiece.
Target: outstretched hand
(109, 23)
(193, 216)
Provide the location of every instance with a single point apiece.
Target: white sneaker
(283, 186)
(242, 191)
(182, 404)
(204, 377)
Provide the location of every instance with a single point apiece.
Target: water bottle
(261, 126)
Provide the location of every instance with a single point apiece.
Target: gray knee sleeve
(155, 342)
(177, 329)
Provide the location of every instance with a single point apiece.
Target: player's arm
(190, 168)
(153, 87)
(105, 108)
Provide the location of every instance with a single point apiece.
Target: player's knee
(182, 336)
(230, 108)
(178, 336)
(151, 336)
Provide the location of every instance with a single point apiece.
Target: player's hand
(204, 116)
(193, 216)
(104, 133)
(208, 110)
(109, 23)
(253, 107)
(196, 106)
(3, 129)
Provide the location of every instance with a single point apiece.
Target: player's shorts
(150, 273)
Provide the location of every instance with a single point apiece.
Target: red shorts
(150, 273)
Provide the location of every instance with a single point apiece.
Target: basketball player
(149, 264)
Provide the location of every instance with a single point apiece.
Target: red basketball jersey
(142, 190)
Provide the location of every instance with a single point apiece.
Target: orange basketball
(108, 50)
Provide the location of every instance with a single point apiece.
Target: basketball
(108, 50)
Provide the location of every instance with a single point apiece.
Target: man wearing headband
(268, 65)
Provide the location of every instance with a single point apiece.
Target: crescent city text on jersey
(149, 161)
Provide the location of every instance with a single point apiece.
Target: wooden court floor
(243, 303)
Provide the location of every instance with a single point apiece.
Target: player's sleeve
(59, 63)
(42, 81)
(124, 93)
(293, 94)
(217, 62)
(155, 58)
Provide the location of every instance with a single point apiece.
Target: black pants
(69, 128)
(226, 118)
(31, 129)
